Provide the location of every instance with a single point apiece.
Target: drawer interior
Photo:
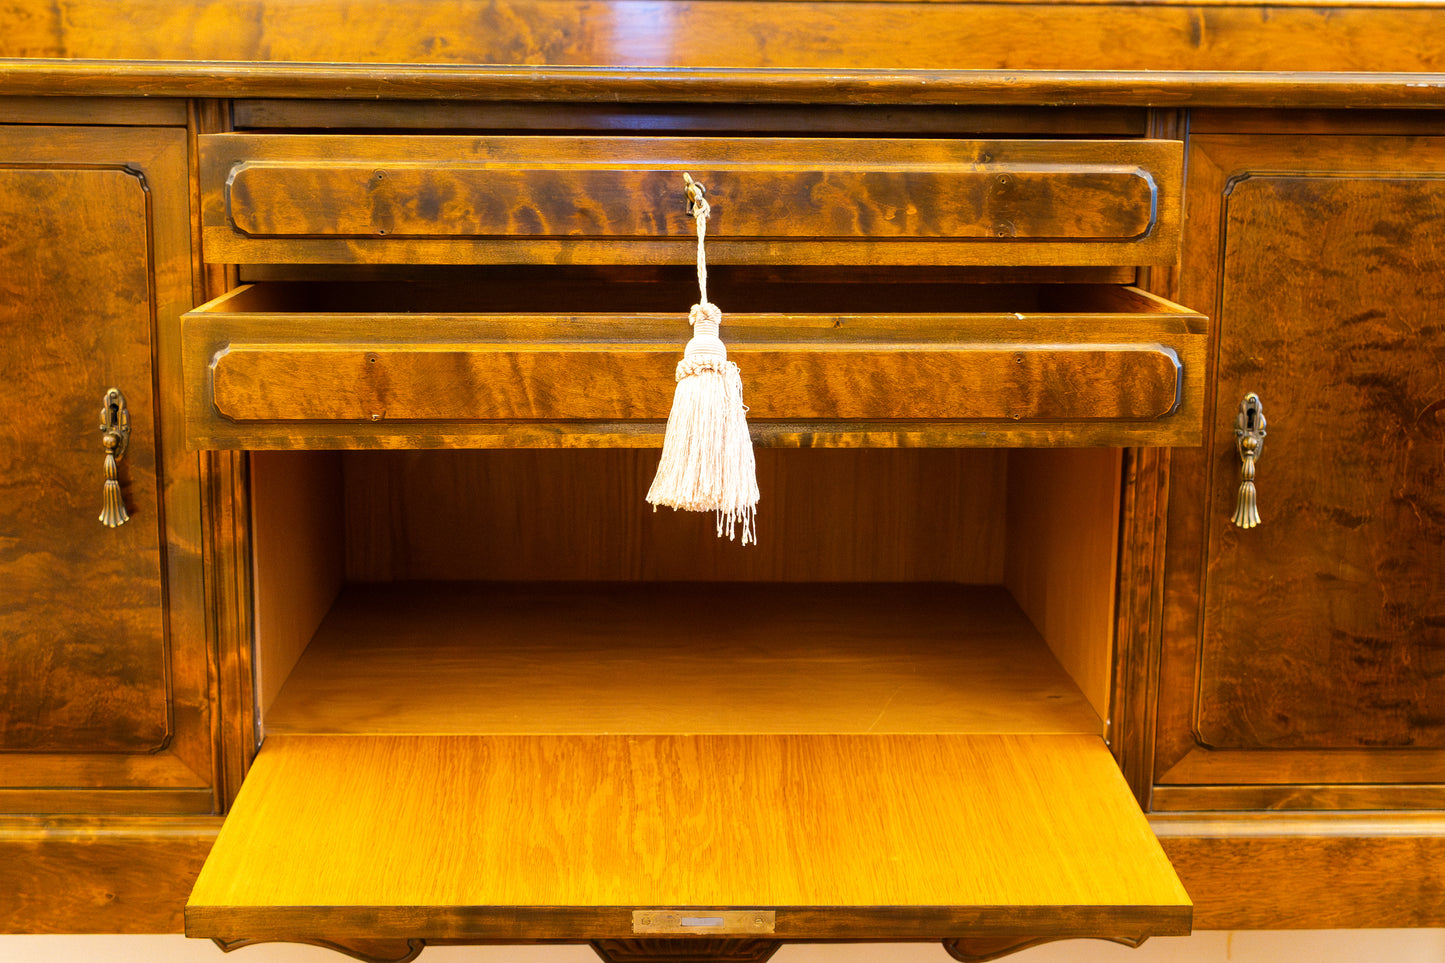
(926, 551)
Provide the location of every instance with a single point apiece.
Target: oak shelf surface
(595, 658)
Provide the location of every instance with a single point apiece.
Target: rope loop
(699, 209)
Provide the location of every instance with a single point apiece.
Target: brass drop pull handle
(114, 436)
(1249, 442)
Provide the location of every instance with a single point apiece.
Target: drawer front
(805, 380)
(260, 375)
(448, 199)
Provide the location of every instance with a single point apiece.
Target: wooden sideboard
(997, 299)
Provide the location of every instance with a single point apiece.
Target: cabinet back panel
(852, 515)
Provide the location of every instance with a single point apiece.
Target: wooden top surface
(560, 837)
(519, 658)
(1247, 87)
(231, 40)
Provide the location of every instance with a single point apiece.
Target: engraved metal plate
(703, 922)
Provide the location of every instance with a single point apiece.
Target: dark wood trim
(981, 950)
(1292, 871)
(101, 874)
(111, 112)
(685, 950)
(227, 509)
(1190, 88)
(368, 951)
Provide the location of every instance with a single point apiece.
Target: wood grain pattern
(1063, 536)
(1305, 653)
(710, 117)
(649, 658)
(562, 837)
(624, 380)
(831, 515)
(1302, 795)
(496, 199)
(981, 950)
(1352, 621)
(77, 677)
(258, 363)
(112, 111)
(1339, 870)
(1017, 37)
(358, 948)
(1000, 201)
(110, 698)
(99, 875)
(297, 562)
(1247, 87)
(1143, 514)
(229, 562)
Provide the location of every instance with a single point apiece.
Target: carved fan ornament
(685, 950)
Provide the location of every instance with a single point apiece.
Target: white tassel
(707, 454)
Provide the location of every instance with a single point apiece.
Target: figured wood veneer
(106, 665)
(628, 382)
(297, 198)
(443, 199)
(562, 837)
(828, 39)
(1302, 660)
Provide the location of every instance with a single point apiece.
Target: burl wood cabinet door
(1303, 661)
(104, 676)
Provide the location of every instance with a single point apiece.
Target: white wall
(1308, 946)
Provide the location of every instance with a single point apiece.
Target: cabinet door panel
(104, 667)
(1340, 592)
(1304, 660)
(85, 659)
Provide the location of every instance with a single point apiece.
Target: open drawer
(569, 762)
(272, 198)
(330, 365)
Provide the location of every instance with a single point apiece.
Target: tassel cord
(700, 210)
(707, 455)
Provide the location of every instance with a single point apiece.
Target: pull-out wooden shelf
(575, 763)
(288, 365)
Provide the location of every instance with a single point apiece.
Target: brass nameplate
(704, 922)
